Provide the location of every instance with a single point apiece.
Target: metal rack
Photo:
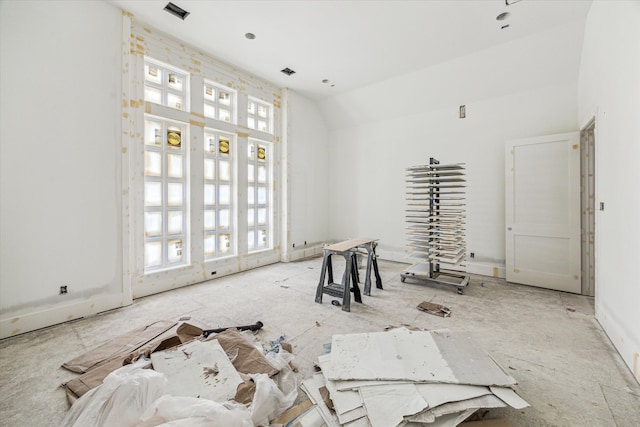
(435, 217)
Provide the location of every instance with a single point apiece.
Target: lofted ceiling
(350, 43)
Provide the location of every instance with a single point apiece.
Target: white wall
(609, 89)
(307, 177)
(60, 188)
(519, 89)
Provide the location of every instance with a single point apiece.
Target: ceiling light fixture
(250, 36)
(176, 10)
(288, 71)
(502, 16)
(325, 81)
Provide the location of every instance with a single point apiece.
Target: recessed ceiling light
(176, 10)
(288, 71)
(325, 81)
(250, 36)
(502, 16)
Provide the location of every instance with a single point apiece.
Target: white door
(542, 211)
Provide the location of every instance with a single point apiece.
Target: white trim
(19, 324)
(628, 349)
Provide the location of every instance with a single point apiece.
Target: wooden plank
(349, 244)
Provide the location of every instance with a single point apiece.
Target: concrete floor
(548, 341)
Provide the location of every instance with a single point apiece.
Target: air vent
(176, 10)
(288, 71)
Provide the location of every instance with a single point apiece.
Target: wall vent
(288, 71)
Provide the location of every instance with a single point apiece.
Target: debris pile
(224, 380)
(402, 377)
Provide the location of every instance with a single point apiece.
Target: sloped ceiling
(352, 44)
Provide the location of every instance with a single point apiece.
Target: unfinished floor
(548, 341)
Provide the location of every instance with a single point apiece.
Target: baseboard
(302, 253)
(44, 317)
(487, 269)
(628, 346)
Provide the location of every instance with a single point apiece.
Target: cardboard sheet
(198, 369)
(120, 346)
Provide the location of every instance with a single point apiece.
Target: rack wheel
(402, 279)
(460, 290)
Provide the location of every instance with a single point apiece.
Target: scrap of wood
(435, 309)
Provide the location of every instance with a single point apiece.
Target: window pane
(225, 243)
(209, 246)
(262, 238)
(152, 163)
(209, 92)
(209, 194)
(251, 239)
(209, 220)
(174, 250)
(152, 254)
(225, 170)
(225, 146)
(224, 218)
(174, 222)
(224, 115)
(262, 111)
(224, 195)
(262, 216)
(152, 193)
(210, 144)
(251, 108)
(152, 74)
(251, 217)
(251, 194)
(262, 126)
(251, 122)
(175, 82)
(174, 101)
(250, 173)
(174, 137)
(152, 133)
(262, 195)
(250, 149)
(209, 111)
(224, 98)
(174, 166)
(152, 224)
(174, 194)
(209, 169)
(262, 173)
(152, 95)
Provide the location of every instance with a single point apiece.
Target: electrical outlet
(294, 245)
(472, 255)
(305, 243)
(63, 289)
(213, 273)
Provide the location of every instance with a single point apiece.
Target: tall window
(165, 165)
(219, 102)
(219, 226)
(260, 115)
(259, 198)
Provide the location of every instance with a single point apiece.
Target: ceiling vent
(176, 10)
(288, 71)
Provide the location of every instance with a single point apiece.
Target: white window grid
(259, 115)
(219, 102)
(166, 85)
(259, 225)
(219, 227)
(165, 193)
